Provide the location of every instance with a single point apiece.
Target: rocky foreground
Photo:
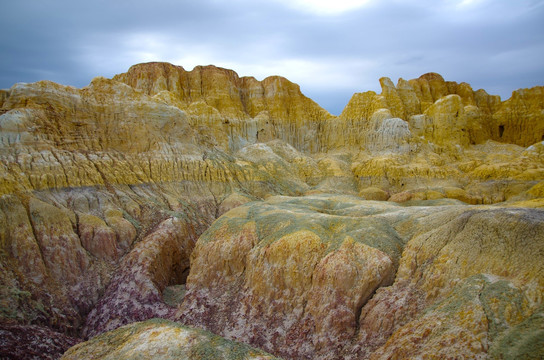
(412, 225)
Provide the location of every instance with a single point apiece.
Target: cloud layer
(330, 51)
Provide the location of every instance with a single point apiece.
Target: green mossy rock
(161, 339)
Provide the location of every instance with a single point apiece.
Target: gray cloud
(495, 45)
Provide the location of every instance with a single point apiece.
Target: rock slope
(109, 197)
(295, 276)
(162, 339)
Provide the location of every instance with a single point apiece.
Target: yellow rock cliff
(408, 226)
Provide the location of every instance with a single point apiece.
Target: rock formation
(408, 226)
(162, 339)
(246, 109)
(320, 259)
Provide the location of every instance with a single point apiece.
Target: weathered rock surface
(244, 108)
(469, 290)
(523, 108)
(295, 276)
(135, 292)
(304, 258)
(105, 190)
(109, 133)
(32, 342)
(162, 339)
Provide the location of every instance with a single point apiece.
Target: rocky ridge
(109, 196)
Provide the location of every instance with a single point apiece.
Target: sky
(332, 49)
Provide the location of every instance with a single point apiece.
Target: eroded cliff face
(245, 109)
(109, 197)
(295, 276)
(447, 113)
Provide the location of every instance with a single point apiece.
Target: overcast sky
(332, 49)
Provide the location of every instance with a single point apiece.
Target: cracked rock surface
(411, 225)
(337, 277)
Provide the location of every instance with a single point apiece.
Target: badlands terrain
(167, 214)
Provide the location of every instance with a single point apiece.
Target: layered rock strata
(108, 133)
(56, 263)
(105, 190)
(246, 109)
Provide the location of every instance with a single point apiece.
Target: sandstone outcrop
(110, 133)
(276, 106)
(135, 292)
(162, 339)
(466, 290)
(294, 276)
(432, 105)
(523, 108)
(310, 259)
(243, 207)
